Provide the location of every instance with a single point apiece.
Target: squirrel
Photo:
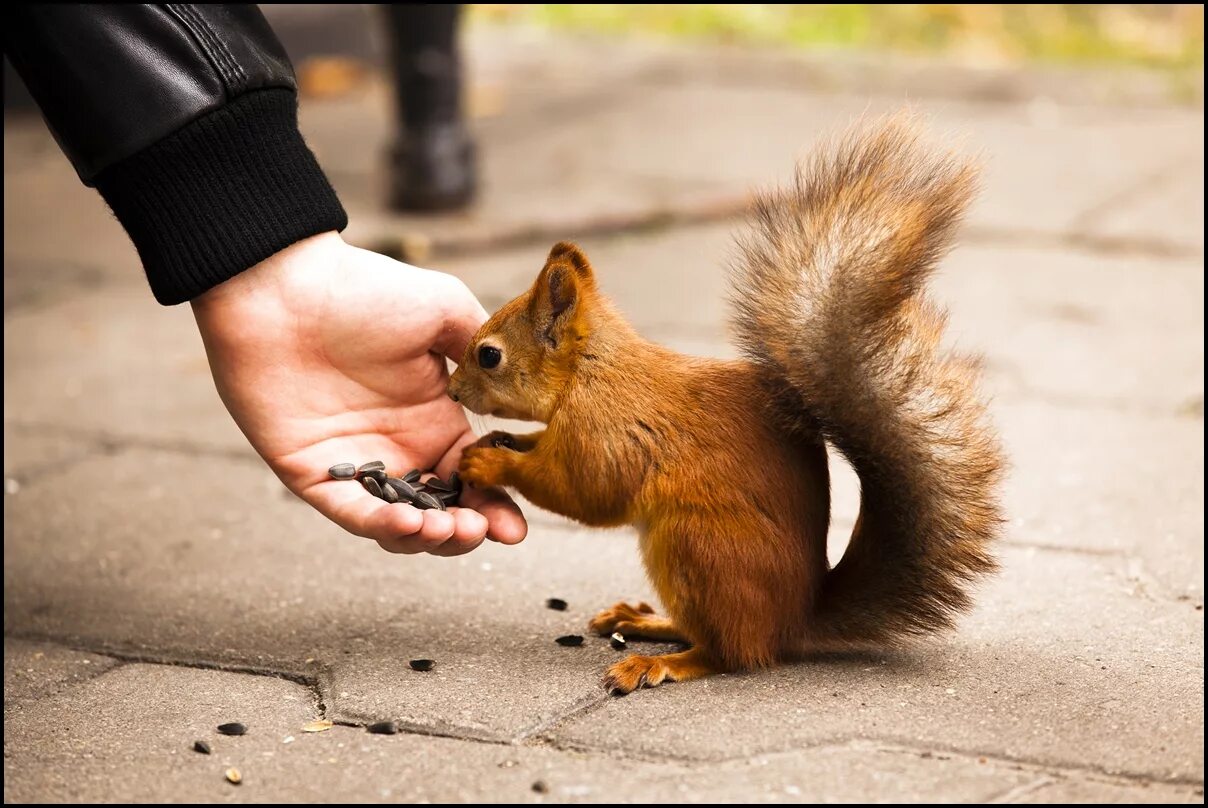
(840, 346)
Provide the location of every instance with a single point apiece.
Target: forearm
(184, 118)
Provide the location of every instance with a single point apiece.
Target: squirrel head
(520, 361)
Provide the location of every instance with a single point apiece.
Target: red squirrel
(841, 346)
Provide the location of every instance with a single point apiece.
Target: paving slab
(33, 669)
(128, 737)
(1058, 665)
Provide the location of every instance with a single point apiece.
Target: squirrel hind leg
(636, 671)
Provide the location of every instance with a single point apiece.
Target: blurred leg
(432, 161)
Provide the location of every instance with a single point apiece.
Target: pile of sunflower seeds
(433, 493)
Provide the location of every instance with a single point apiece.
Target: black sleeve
(184, 117)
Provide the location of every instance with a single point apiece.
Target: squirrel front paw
(484, 467)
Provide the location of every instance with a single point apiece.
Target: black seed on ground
(540, 787)
(423, 664)
(342, 471)
(570, 640)
(383, 728)
(404, 489)
(372, 486)
(233, 728)
(201, 746)
(617, 641)
(557, 604)
(425, 501)
(374, 465)
(412, 476)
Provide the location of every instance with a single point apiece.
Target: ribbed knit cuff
(222, 194)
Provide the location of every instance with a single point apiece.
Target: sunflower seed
(412, 476)
(234, 728)
(372, 486)
(455, 482)
(374, 474)
(375, 465)
(201, 746)
(557, 604)
(406, 492)
(617, 641)
(570, 640)
(422, 664)
(449, 498)
(540, 787)
(425, 501)
(437, 484)
(389, 494)
(233, 775)
(383, 728)
(342, 471)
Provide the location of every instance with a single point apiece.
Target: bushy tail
(829, 295)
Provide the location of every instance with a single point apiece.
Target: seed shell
(342, 471)
(422, 664)
(316, 726)
(557, 604)
(233, 776)
(617, 641)
(233, 728)
(406, 492)
(425, 501)
(570, 640)
(201, 746)
(372, 486)
(383, 728)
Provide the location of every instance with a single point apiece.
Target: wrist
(300, 263)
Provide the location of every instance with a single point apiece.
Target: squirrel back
(828, 295)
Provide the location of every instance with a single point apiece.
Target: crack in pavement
(539, 737)
(314, 683)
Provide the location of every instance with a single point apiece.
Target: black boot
(432, 162)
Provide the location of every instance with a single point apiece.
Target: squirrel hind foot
(635, 672)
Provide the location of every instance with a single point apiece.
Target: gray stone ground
(158, 580)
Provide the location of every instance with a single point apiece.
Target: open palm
(326, 354)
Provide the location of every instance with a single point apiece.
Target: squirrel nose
(453, 396)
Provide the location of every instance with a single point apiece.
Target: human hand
(325, 353)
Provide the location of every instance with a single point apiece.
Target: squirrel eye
(488, 357)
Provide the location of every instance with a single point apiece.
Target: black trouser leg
(433, 155)
(425, 61)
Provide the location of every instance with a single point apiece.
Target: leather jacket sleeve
(184, 117)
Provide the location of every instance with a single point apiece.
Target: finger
(463, 316)
(505, 522)
(359, 512)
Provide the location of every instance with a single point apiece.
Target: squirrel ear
(567, 273)
(568, 252)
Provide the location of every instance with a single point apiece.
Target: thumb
(463, 316)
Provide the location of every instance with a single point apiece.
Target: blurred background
(140, 526)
